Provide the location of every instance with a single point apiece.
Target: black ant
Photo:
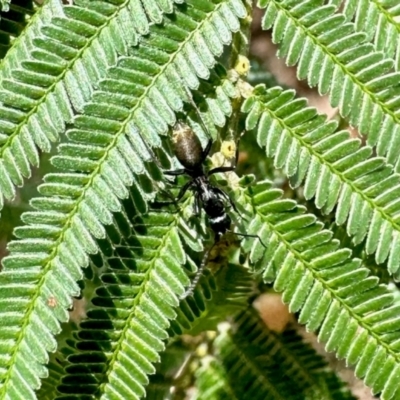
(188, 150)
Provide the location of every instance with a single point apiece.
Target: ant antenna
(150, 151)
(251, 236)
(191, 100)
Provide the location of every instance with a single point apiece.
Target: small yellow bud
(242, 65)
(228, 149)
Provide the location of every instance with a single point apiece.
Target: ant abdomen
(186, 145)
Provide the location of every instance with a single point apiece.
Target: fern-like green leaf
(137, 303)
(255, 363)
(132, 309)
(218, 296)
(133, 101)
(53, 72)
(5, 5)
(331, 54)
(212, 381)
(378, 20)
(332, 291)
(334, 168)
(48, 389)
(172, 359)
(13, 20)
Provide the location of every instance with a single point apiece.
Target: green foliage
(13, 19)
(5, 5)
(253, 362)
(334, 168)
(330, 53)
(378, 21)
(320, 279)
(133, 306)
(97, 86)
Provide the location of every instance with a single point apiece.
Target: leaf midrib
(50, 89)
(47, 266)
(345, 181)
(334, 58)
(324, 283)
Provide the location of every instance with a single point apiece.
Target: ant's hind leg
(251, 236)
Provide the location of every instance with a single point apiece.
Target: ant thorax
(212, 203)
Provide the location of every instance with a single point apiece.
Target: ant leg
(197, 206)
(183, 190)
(181, 193)
(220, 169)
(176, 172)
(206, 151)
(250, 235)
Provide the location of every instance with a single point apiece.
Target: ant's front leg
(206, 151)
(221, 169)
(160, 204)
(197, 205)
(226, 169)
(176, 172)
